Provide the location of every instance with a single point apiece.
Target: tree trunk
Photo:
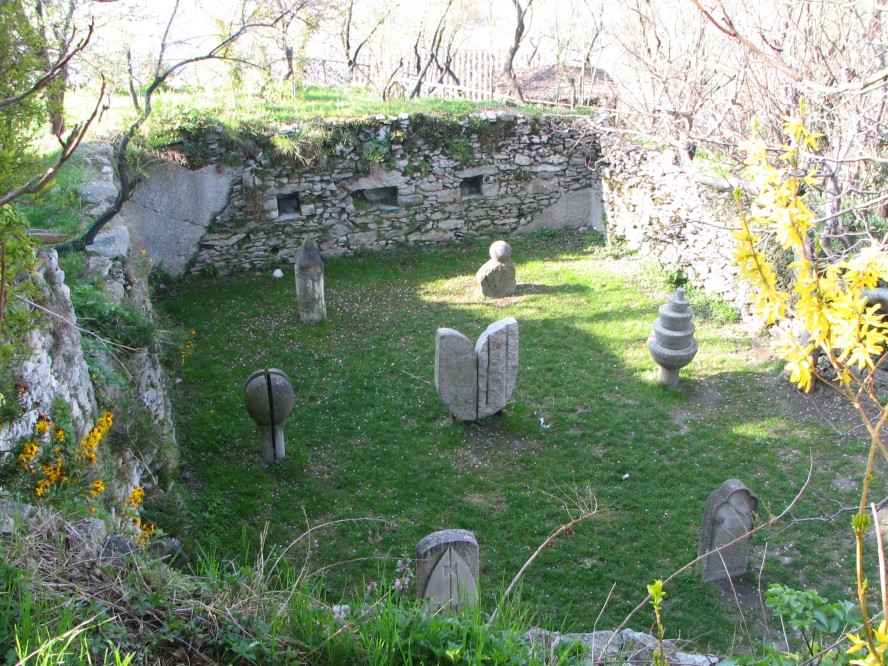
(509, 67)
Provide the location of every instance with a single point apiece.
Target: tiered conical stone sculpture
(672, 344)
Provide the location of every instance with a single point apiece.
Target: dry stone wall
(387, 181)
(400, 180)
(669, 213)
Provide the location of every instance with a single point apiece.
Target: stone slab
(447, 570)
(170, 211)
(730, 513)
(497, 351)
(456, 373)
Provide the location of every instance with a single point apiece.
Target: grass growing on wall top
(260, 112)
(369, 438)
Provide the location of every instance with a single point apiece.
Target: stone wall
(379, 184)
(387, 181)
(672, 215)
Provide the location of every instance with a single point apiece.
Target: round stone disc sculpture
(672, 344)
(268, 397)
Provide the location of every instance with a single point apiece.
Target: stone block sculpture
(310, 283)
(497, 276)
(268, 397)
(447, 567)
(672, 344)
(475, 382)
(730, 513)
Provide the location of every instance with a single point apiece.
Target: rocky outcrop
(58, 372)
(55, 369)
(626, 647)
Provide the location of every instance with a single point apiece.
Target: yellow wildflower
(43, 424)
(29, 452)
(134, 501)
(146, 531)
(97, 487)
(41, 487)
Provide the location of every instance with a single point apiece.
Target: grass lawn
(369, 438)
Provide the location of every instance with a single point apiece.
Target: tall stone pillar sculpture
(477, 382)
(268, 397)
(310, 283)
(447, 568)
(728, 518)
(672, 344)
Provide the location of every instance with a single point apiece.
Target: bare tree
(509, 65)
(353, 44)
(830, 57)
(70, 142)
(248, 23)
(434, 47)
(677, 84)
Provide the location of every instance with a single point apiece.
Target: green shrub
(119, 323)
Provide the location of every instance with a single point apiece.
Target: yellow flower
(59, 435)
(134, 501)
(41, 487)
(97, 487)
(29, 452)
(146, 531)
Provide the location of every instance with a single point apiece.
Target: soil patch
(488, 445)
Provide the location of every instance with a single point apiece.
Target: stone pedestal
(497, 277)
(310, 284)
(268, 397)
(672, 344)
(447, 569)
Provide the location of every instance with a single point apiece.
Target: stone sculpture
(730, 513)
(268, 397)
(475, 382)
(310, 283)
(672, 344)
(447, 567)
(497, 276)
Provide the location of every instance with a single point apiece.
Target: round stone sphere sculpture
(269, 397)
(672, 344)
(497, 276)
(500, 251)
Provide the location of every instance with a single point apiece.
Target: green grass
(313, 103)
(57, 207)
(369, 438)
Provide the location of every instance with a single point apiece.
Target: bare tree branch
(51, 73)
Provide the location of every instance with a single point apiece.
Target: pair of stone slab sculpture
(475, 381)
